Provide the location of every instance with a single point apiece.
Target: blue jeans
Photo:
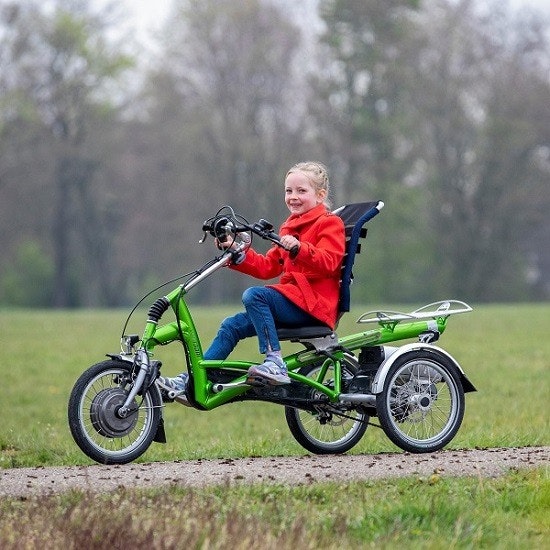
(265, 310)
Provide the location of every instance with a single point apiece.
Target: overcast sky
(146, 15)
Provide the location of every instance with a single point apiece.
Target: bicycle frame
(209, 395)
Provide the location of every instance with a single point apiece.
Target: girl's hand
(289, 242)
(223, 246)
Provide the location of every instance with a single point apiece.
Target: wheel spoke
(422, 403)
(330, 428)
(93, 415)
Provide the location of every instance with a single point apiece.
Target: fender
(394, 353)
(121, 357)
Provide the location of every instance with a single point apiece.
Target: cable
(149, 294)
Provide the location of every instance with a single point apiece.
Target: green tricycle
(338, 383)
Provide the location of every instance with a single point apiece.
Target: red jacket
(312, 279)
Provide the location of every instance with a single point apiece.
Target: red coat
(312, 279)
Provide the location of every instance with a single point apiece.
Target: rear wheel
(94, 421)
(421, 406)
(330, 429)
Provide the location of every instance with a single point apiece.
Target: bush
(28, 280)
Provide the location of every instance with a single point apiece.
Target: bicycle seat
(354, 216)
(303, 333)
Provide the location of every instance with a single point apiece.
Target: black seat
(354, 216)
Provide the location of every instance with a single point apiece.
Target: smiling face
(300, 193)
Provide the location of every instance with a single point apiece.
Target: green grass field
(505, 351)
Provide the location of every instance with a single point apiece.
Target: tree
(483, 93)
(363, 105)
(440, 109)
(441, 112)
(63, 68)
(237, 125)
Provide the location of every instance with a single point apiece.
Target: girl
(308, 289)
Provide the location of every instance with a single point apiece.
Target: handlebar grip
(293, 252)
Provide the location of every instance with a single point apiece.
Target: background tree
(482, 91)
(63, 68)
(229, 105)
(439, 108)
(363, 104)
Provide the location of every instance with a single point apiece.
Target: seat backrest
(354, 216)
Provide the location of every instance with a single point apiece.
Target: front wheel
(95, 425)
(329, 429)
(421, 405)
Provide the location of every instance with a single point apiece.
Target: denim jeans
(265, 310)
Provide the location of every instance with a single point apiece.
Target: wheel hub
(413, 401)
(421, 402)
(104, 413)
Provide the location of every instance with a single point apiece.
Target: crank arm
(251, 381)
(218, 387)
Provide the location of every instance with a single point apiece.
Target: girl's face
(300, 193)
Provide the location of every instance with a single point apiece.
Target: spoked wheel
(94, 421)
(421, 405)
(331, 429)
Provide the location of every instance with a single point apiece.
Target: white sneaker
(273, 373)
(175, 386)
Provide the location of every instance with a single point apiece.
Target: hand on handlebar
(231, 233)
(231, 245)
(237, 246)
(290, 243)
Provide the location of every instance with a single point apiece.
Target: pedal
(165, 398)
(259, 382)
(173, 394)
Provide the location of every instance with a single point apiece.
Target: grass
(503, 349)
(509, 512)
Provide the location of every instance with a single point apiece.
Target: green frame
(391, 327)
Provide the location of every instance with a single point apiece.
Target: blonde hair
(317, 173)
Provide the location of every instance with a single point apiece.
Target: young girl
(308, 289)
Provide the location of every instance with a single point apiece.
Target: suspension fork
(142, 359)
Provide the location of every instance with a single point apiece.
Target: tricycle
(338, 382)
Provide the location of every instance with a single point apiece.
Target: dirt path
(291, 470)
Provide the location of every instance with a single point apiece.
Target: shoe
(270, 371)
(174, 386)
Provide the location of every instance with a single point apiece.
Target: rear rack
(434, 310)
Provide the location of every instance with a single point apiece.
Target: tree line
(112, 155)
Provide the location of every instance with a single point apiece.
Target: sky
(148, 16)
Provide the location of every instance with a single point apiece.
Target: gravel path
(22, 482)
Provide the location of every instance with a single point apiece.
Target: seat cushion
(297, 333)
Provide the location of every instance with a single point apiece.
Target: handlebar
(265, 230)
(224, 227)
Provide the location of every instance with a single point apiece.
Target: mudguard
(121, 357)
(393, 354)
